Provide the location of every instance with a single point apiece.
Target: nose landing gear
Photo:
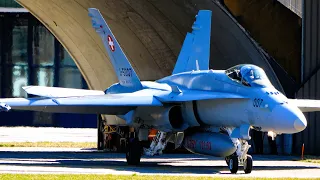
(240, 157)
(233, 163)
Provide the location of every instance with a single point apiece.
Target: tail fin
(125, 73)
(195, 51)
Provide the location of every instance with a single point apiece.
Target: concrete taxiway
(32, 134)
(79, 161)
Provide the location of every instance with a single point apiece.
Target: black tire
(233, 164)
(133, 154)
(247, 165)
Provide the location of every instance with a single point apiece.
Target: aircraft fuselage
(262, 107)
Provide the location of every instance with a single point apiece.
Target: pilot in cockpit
(249, 75)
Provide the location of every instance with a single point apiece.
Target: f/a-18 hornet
(207, 111)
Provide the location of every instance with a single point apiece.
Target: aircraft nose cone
(288, 119)
(300, 124)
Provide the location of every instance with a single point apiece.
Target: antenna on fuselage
(197, 65)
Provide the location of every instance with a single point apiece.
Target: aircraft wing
(113, 104)
(306, 105)
(59, 92)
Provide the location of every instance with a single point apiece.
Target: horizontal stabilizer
(306, 105)
(59, 92)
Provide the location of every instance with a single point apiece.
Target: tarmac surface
(32, 134)
(91, 161)
(77, 161)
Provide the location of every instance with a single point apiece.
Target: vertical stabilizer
(195, 51)
(126, 75)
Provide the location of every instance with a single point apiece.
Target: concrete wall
(310, 77)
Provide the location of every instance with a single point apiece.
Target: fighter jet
(207, 111)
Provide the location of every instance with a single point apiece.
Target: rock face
(151, 33)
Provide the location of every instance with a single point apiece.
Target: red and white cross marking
(111, 44)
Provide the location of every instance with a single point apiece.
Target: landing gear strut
(157, 145)
(134, 148)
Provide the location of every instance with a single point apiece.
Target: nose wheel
(233, 164)
(240, 157)
(247, 164)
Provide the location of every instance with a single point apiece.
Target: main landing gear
(240, 157)
(133, 151)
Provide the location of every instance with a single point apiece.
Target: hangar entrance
(30, 55)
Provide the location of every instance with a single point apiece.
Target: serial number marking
(126, 72)
(257, 102)
(203, 145)
(125, 81)
(191, 143)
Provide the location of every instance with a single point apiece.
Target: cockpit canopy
(249, 75)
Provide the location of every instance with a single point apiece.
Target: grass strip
(311, 159)
(50, 144)
(117, 177)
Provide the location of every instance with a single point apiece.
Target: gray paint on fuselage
(256, 108)
(229, 112)
(224, 112)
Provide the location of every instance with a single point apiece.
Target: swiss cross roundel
(111, 44)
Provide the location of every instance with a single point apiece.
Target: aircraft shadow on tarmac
(173, 164)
